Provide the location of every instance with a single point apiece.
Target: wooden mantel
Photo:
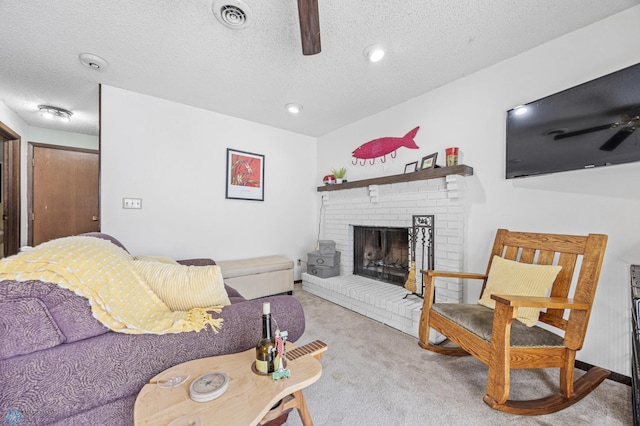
(460, 169)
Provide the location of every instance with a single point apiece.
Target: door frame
(11, 143)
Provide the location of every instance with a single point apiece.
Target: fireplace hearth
(381, 253)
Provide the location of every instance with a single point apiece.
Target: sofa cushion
(26, 326)
(71, 312)
(234, 295)
(519, 279)
(203, 261)
(183, 287)
(74, 317)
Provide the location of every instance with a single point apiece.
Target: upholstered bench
(259, 276)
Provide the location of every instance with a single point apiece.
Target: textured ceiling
(178, 50)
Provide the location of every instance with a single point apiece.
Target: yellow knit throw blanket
(101, 272)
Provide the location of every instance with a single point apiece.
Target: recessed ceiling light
(293, 108)
(92, 61)
(374, 53)
(55, 113)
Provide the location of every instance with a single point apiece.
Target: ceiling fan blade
(617, 139)
(309, 26)
(583, 131)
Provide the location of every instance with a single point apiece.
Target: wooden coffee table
(249, 398)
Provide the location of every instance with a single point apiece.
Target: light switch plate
(132, 203)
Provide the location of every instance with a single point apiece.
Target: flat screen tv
(591, 125)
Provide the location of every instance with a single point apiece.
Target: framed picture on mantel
(411, 167)
(245, 175)
(429, 161)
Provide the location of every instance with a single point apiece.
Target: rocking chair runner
(503, 344)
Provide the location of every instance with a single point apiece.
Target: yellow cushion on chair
(183, 287)
(519, 279)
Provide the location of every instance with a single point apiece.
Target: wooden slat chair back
(503, 349)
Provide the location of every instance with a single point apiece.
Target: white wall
(11, 120)
(471, 112)
(57, 137)
(174, 157)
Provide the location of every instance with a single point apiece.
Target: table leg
(303, 410)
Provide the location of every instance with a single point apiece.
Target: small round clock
(208, 386)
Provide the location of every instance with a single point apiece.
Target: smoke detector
(234, 14)
(92, 61)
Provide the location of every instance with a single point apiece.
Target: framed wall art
(429, 161)
(411, 167)
(245, 175)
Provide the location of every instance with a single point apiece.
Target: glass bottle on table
(266, 348)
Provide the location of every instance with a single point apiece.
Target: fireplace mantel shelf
(460, 169)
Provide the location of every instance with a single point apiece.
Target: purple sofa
(59, 365)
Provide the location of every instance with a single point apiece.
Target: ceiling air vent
(234, 14)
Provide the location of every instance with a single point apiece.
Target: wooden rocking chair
(493, 337)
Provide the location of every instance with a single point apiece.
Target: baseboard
(616, 377)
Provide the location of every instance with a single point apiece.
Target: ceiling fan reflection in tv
(628, 124)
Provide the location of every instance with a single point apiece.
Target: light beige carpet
(376, 375)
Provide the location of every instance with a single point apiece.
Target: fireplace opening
(381, 253)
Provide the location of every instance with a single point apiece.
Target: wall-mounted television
(591, 125)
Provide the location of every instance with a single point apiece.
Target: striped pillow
(163, 259)
(183, 287)
(519, 279)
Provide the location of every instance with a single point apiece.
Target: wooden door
(65, 192)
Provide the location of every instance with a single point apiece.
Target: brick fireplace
(391, 203)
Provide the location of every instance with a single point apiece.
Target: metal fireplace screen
(381, 253)
(422, 247)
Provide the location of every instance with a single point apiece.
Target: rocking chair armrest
(539, 302)
(452, 274)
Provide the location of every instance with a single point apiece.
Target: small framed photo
(411, 167)
(429, 162)
(245, 175)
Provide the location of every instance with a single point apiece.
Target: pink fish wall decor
(381, 147)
